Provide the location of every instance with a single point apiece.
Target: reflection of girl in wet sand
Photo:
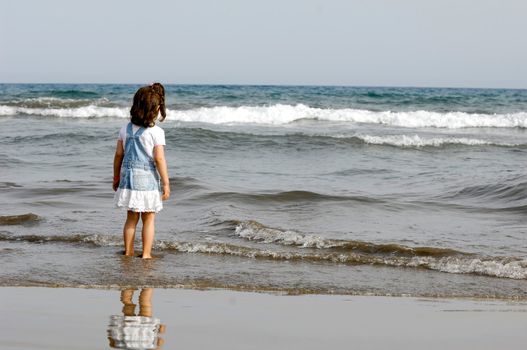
(135, 332)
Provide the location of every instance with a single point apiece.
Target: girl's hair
(148, 102)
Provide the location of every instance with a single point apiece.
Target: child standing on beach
(138, 165)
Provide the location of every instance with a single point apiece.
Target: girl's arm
(117, 162)
(161, 165)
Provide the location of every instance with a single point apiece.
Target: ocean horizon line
(359, 86)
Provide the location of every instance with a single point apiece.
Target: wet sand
(61, 318)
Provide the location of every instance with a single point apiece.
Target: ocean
(290, 189)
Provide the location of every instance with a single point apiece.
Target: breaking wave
(417, 141)
(56, 102)
(401, 140)
(357, 252)
(90, 111)
(255, 231)
(95, 240)
(280, 114)
(285, 114)
(314, 249)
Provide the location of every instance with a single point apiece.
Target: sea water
(295, 189)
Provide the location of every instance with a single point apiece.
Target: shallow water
(390, 191)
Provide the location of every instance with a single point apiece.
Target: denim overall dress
(139, 185)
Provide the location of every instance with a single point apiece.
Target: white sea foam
(255, 231)
(463, 264)
(57, 103)
(497, 267)
(284, 114)
(503, 267)
(79, 112)
(418, 141)
(275, 115)
(102, 240)
(48, 99)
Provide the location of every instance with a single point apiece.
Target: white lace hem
(138, 201)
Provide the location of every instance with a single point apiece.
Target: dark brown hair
(148, 102)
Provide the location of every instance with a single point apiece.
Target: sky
(435, 43)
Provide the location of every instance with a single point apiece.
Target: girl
(138, 163)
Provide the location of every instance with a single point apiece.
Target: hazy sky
(457, 43)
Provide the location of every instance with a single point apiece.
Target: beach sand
(61, 318)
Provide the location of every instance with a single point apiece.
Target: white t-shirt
(151, 137)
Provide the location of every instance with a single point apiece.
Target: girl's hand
(166, 192)
(117, 162)
(115, 183)
(161, 165)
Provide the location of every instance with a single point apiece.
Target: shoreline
(275, 292)
(246, 320)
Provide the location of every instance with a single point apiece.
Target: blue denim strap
(134, 150)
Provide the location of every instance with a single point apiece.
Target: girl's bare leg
(145, 302)
(132, 218)
(128, 304)
(148, 234)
